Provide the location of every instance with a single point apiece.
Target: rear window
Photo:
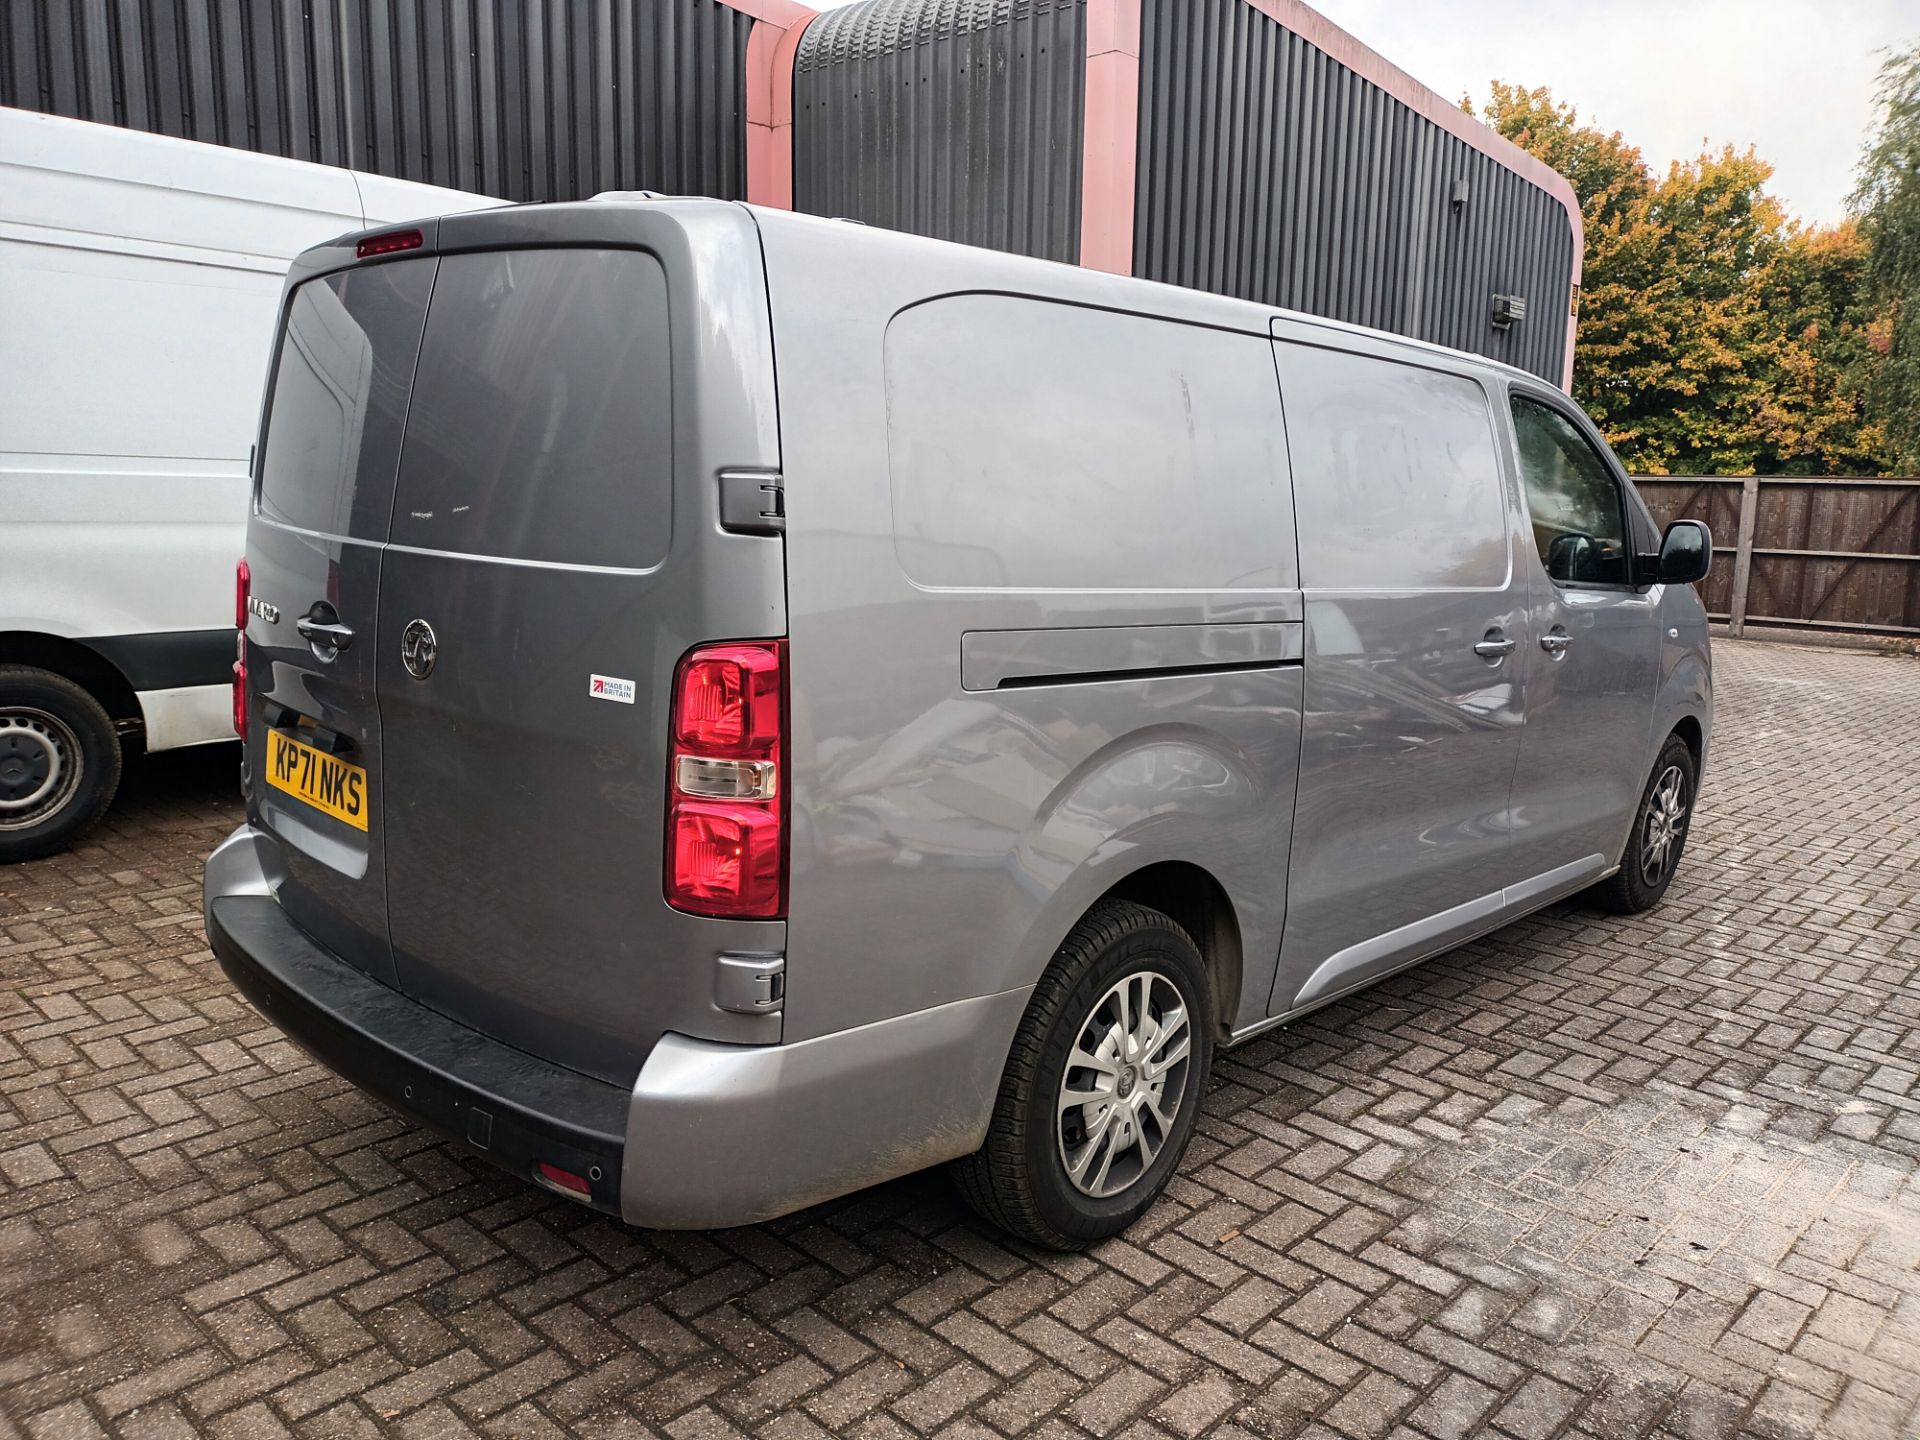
(1396, 479)
(340, 398)
(541, 424)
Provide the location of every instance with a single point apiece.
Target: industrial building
(1243, 146)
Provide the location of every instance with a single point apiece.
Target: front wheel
(1659, 835)
(1103, 1085)
(59, 762)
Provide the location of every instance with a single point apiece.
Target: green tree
(1716, 336)
(1888, 204)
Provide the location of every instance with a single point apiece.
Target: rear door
(332, 439)
(531, 614)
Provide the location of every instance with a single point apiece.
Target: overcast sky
(1792, 77)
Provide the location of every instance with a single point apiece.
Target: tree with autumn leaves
(1717, 334)
(1888, 204)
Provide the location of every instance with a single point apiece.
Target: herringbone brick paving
(1590, 1177)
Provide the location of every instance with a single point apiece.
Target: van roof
(990, 269)
(147, 184)
(1118, 291)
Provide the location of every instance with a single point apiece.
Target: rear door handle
(329, 635)
(1494, 646)
(1555, 642)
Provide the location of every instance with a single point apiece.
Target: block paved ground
(1588, 1177)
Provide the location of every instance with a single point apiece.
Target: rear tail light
(389, 243)
(242, 592)
(726, 809)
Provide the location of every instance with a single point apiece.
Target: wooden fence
(1826, 554)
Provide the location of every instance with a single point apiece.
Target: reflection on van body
(1027, 682)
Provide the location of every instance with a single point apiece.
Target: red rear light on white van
(242, 592)
(726, 806)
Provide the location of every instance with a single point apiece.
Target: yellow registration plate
(318, 778)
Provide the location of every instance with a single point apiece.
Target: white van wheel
(59, 762)
(1103, 1084)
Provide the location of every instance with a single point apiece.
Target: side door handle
(1555, 642)
(323, 634)
(1496, 645)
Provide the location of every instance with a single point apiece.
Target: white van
(140, 277)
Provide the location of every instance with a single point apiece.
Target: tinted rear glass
(541, 424)
(340, 398)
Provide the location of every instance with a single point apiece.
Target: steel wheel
(41, 766)
(1662, 826)
(1125, 1079)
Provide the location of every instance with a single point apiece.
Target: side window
(1036, 445)
(1397, 480)
(1579, 522)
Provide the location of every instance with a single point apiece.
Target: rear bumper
(514, 1109)
(709, 1135)
(735, 1134)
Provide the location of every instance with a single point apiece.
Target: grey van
(742, 706)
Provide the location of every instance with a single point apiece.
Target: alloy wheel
(1125, 1081)
(1663, 826)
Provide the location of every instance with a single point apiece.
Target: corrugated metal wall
(523, 99)
(1268, 171)
(959, 119)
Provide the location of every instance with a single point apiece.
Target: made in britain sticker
(606, 687)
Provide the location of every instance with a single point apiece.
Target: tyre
(59, 762)
(1103, 1084)
(1659, 835)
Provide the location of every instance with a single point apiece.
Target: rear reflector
(388, 243)
(565, 1180)
(726, 819)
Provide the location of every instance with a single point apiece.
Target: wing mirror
(1686, 553)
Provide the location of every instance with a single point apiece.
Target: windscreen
(340, 398)
(541, 422)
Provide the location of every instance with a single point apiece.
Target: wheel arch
(1198, 903)
(1182, 820)
(1684, 707)
(1689, 729)
(80, 663)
